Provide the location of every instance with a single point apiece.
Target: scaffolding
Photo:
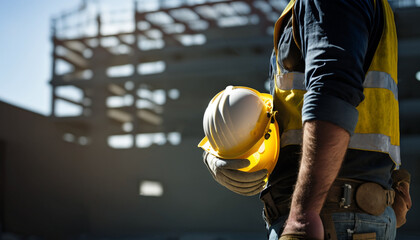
(134, 77)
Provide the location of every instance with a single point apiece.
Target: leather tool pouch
(373, 199)
(401, 184)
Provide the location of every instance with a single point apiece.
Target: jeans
(347, 223)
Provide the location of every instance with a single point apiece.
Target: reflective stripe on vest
(373, 79)
(372, 142)
(365, 141)
(378, 125)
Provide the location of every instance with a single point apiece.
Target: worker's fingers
(240, 176)
(217, 163)
(249, 191)
(240, 184)
(253, 192)
(231, 163)
(225, 172)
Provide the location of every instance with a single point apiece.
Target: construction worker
(335, 91)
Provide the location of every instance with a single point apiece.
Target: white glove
(226, 173)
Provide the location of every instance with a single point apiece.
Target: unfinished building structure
(142, 77)
(118, 156)
(131, 88)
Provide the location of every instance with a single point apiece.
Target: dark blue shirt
(337, 40)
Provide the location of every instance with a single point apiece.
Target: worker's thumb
(233, 164)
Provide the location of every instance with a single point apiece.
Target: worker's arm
(334, 38)
(324, 147)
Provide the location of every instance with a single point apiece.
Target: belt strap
(341, 198)
(349, 195)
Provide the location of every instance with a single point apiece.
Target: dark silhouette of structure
(117, 158)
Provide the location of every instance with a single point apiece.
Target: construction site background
(117, 157)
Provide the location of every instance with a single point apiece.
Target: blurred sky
(25, 45)
(25, 51)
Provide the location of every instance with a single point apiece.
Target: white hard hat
(239, 123)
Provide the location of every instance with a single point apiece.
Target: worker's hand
(226, 173)
(303, 225)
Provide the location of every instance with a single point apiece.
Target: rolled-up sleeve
(334, 38)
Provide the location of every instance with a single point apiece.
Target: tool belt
(345, 195)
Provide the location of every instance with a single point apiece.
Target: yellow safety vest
(378, 125)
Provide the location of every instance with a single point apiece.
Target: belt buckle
(345, 201)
